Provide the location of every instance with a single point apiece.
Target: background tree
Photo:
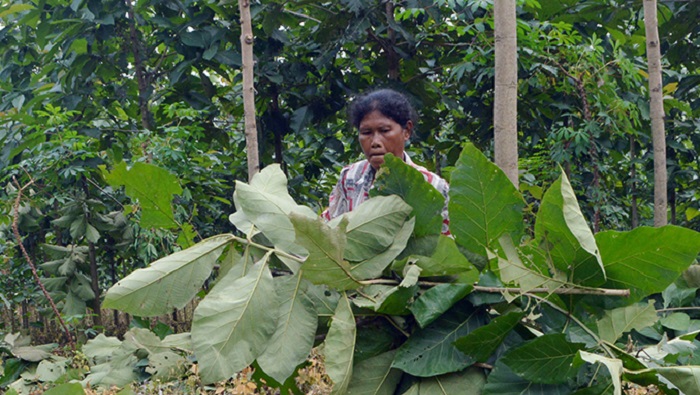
(658, 130)
(505, 101)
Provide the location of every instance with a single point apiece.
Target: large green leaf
(339, 346)
(168, 283)
(483, 341)
(502, 381)
(430, 351)
(617, 321)
(234, 323)
(375, 376)
(266, 203)
(325, 245)
(437, 300)
(646, 260)
(153, 187)
(373, 225)
(66, 389)
(469, 381)
(484, 204)
(546, 359)
(374, 266)
(686, 378)
(397, 178)
(296, 329)
(562, 230)
(447, 261)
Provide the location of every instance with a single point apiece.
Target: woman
(385, 120)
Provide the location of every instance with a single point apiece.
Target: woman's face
(380, 134)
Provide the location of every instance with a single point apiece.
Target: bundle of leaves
(400, 308)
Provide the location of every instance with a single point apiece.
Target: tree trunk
(506, 90)
(251, 130)
(658, 133)
(633, 184)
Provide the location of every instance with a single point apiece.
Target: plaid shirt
(357, 179)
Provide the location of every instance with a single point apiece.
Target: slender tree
(251, 131)
(506, 90)
(658, 132)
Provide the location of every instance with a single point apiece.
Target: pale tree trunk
(251, 131)
(658, 134)
(506, 90)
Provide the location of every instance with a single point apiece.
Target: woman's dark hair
(390, 103)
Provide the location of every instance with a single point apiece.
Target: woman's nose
(376, 140)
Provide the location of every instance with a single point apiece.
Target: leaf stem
(270, 249)
(479, 288)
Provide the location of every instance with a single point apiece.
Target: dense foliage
(408, 309)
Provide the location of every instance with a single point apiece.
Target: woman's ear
(408, 130)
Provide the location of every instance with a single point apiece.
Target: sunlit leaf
(646, 260)
(153, 187)
(373, 225)
(562, 230)
(339, 346)
(325, 263)
(293, 339)
(484, 204)
(266, 203)
(375, 265)
(234, 323)
(168, 283)
(617, 321)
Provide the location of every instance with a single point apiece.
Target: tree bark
(633, 184)
(251, 130)
(506, 90)
(658, 132)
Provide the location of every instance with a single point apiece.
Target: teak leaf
(446, 261)
(395, 177)
(375, 265)
(373, 225)
(623, 319)
(562, 230)
(430, 351)
(483, 341)
(375, 376)
(266, 203)
(502, 381)
(546, 360)
(340, 345)
(234, 323)
(325, 245)
(437, 300)
(153, 187)
(646, 260)
(296, 328)
(483, 204)
(168, 283)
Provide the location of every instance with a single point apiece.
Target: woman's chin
(376, 161)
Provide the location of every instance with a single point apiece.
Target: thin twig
(570, 316)
(15, 228)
